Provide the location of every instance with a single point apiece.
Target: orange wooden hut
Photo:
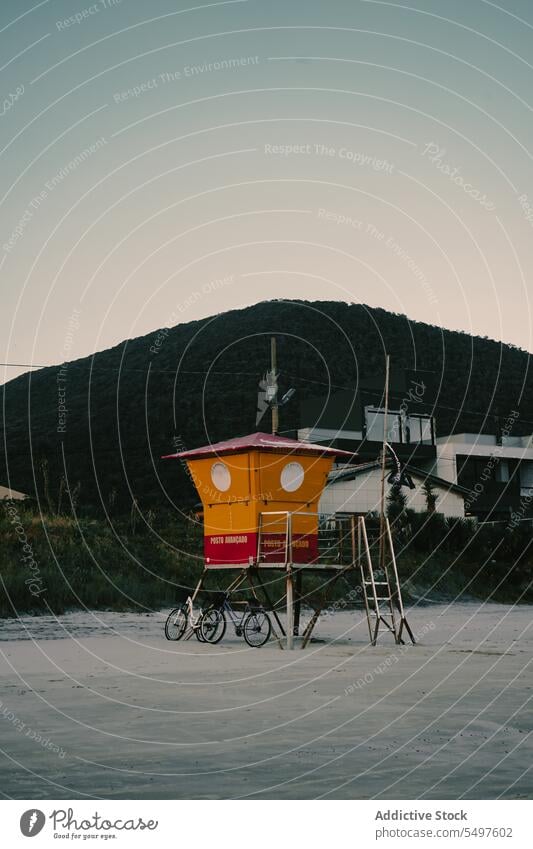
(260, 498)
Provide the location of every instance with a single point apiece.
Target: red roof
(262, 442)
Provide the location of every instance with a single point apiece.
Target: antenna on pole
(273, 366)
(267, 397)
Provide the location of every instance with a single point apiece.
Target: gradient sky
(372, 152)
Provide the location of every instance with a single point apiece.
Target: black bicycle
(253, 624)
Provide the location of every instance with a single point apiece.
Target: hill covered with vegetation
(92, 431)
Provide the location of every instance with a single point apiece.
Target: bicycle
(181, 620)
(254, 624)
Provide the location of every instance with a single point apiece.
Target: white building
(511, 454)
(497, 473)
(358, 490)
(492, 474)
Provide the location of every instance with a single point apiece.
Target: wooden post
(289, 586)
(311, 624)
(199, 585)
(290, 609)
(383, 464)
(297, 602)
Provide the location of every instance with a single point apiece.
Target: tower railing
(330, 543)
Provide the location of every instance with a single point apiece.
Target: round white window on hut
(292, 477)
(221, 477)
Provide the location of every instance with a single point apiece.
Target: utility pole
(383, 463)
(267, 397)
(273, 367)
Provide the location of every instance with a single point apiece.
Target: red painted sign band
(241, 549)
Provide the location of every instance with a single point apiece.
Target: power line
(22, 365)
(436, 406)
(329, 385)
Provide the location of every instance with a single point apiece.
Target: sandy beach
(100, 705)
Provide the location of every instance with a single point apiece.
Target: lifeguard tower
(260, 497)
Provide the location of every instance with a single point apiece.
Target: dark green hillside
(126, 405)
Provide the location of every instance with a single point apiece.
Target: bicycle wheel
(256, 628)
(213, 625)
(176, 623)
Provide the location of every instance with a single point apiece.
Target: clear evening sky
(166, 161)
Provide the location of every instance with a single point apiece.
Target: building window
(375, 423)
(420, 429)
(502, 471)
(413, 429)
(486, 471)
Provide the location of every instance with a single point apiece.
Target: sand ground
(101, 705)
